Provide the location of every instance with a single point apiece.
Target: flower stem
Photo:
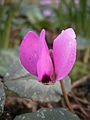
(65, 96)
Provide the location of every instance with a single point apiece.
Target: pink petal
(29, 52)
(44, 65)
(64, 53)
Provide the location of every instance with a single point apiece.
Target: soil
(79, 97)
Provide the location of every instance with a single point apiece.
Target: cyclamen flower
(77, 2)
(47, 13)
(45, 2)
(36, 58)
(58, 1)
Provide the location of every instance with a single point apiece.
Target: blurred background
(17, 17)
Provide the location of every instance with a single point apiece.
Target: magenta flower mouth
(35, 56)
(46, 79)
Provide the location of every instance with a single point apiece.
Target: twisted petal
(44, 65)
(29, 52)
(64, 53)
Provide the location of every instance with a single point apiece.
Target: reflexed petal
(64, 53)
(44, 65)
(29, 52)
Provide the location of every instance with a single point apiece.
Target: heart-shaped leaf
(49, 114)
(20, 81)
(7, 58)
(2, 98)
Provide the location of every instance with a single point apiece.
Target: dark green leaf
(7, 58)
(20, 81)
(33, 13)
(49, 114)
(2, 98)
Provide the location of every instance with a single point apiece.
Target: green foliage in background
(7, 12)
(30, 17)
